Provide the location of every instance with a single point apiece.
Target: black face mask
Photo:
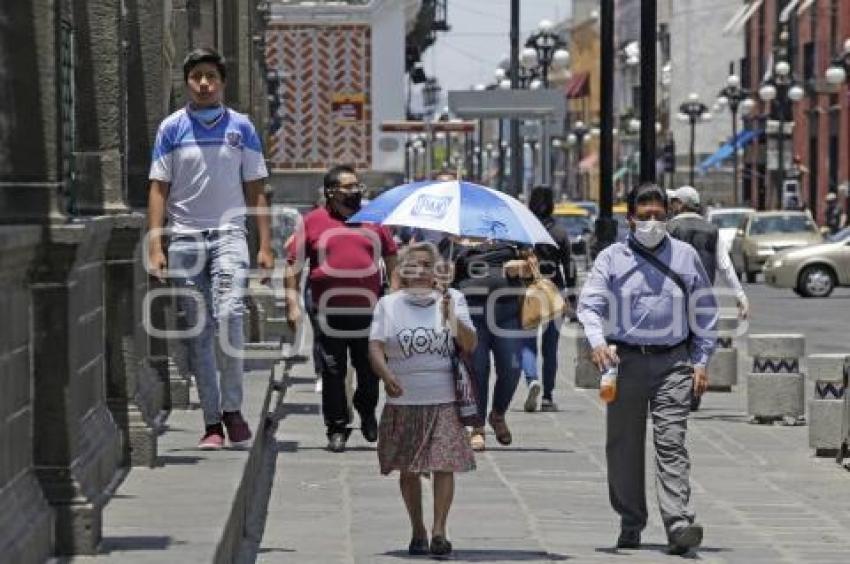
(352, 201)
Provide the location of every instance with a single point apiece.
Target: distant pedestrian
(345, 284)
(833, 213)
(207, 164)
(652, 298)
(554, 263)
(412, 340)
(493, 298)
(692, 228)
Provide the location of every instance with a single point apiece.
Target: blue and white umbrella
(456, 207)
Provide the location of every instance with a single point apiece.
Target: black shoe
(440, 546)
(695, 402)
(369, 427)
(336, 441)
(418, 547)
(628, 539)
(684, 539)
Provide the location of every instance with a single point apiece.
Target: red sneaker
(213, 438)
(237, 430)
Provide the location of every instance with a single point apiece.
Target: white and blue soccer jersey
(205, 167)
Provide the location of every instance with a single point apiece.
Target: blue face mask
(207, 115)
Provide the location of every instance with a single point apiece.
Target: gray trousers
(660, 384)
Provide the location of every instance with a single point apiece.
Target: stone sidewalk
(758, 491)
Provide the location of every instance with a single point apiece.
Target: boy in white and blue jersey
(207, 165)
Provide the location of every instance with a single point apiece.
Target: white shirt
(725, 268)
(206, 167)
(418, 346)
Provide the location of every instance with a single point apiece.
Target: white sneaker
(533, 394)
(318, 385)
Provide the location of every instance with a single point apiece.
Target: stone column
(723, 366)
(587, 375)
(150, 51)
(132, 386)
(77, 444)
(826, 407)
(26, 520)
(775, 387)
(100, 107)
(31, 180)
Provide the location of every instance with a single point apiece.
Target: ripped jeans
(211, 269)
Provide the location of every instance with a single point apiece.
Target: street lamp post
(838, 72)
(784, 90)
(575, 140)
(693, 111)
(735, 97)
(544, 50)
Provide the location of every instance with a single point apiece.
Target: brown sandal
(503, 434)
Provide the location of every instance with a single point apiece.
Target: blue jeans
(528, 357)
(506, 359)
(211, 267)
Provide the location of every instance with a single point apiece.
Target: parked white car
(727, 220)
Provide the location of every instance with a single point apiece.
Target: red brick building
(821, 133)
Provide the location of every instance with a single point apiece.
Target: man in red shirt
(345, 281)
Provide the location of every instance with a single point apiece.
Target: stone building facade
(84, 389)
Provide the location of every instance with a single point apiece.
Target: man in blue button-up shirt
(664, 339)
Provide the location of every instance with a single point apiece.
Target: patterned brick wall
(325, 95)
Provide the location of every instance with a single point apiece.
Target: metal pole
(693, 147)
(480, 169)
(606, 226)
(780, 169)
(736, 190)
(648, 56)
(501, 171)
(516, 139)
(429, 148)
(545, 148)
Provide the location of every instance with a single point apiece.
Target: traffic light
(668, 154)
(273, 80)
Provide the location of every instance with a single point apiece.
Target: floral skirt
(423, 438)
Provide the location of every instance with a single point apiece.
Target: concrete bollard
(587, 375)
(723, 367)
(775, 387)
(826, 407)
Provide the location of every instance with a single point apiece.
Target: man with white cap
(689, 226)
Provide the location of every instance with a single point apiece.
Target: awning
(588, 162)
(578, 85)
(740, 19)
(726, 150)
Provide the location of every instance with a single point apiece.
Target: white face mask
(421, 297)
(650, 233)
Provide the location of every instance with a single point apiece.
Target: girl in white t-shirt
(414, 332)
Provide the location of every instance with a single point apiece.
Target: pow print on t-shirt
(424, 340)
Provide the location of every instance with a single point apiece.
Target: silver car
(812, 272)
(765, 233)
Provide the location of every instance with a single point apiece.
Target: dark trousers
(506, 351)
(334, 351)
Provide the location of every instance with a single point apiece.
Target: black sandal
(418, 547)
(440, 546)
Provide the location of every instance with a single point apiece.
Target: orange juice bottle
(608, 382)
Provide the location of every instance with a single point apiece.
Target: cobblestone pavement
(759, 491)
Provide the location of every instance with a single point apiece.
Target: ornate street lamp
(544, 51)
(693, 111)
(783, 90)
(734, 97)
(838, 72)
